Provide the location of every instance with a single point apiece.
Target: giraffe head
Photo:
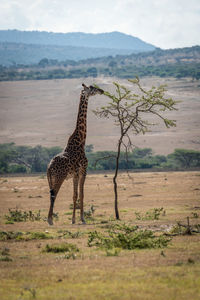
(92, 90)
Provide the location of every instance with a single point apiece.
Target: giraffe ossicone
(72, 162)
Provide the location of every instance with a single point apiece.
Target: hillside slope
(44, 112)
(29, 47)
(115, 40)
(26, 54)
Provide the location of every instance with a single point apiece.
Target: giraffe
(72, 162)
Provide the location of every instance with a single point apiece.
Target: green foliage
(178, 230)
(173, 70)
(113, 252)
(183, 63)
(23, 236)
(38, 236)
(126, 237)
(186, 158)
(9, 235)
(69, 234)
(36, 159)
(5, 254)
(59, 248)
(129, 110)
(89, 148)
(16, 215)
(195, 215)
(153, 214)
(14, 159)
(5, 258)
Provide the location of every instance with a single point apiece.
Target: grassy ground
(28, 272)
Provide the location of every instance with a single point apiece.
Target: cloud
(166, 23)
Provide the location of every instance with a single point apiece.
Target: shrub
(126, 237)
(58, 248)
(69, 234)
(151, 215)
(25, 236)
(9, 235)
(17, 215)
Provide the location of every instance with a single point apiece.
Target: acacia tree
(128, 110)
(186, 158)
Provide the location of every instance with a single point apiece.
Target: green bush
(59, 248)
(17, 215)
(126, 237)
(23, 236)
(153, 214)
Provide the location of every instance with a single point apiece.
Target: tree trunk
(115, 179)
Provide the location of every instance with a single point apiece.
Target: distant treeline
(178, 63)
(170, 70)
(25, 159)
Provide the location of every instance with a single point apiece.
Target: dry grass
(169, 273)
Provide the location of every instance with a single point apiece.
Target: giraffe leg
(52, 200)
(75, 196)
(81, 196)
(54, 185)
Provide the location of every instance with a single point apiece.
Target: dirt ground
(44, 112)
(168, 273)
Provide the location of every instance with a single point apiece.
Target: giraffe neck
(79, 135)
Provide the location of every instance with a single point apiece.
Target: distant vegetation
(34, 55)
(176, 63)
(25, 159)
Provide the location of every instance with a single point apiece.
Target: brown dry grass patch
(169, 273)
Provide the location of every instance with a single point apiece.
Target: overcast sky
(163, 23)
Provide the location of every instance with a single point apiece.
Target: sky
(163, 23)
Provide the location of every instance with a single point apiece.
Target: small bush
(151, 215)
(70, 255)
(88, 214)
(26, 236)
(17, 215)
(64, 247)
(5, 255)
(195, 215)
(9, 235)
(113, 252)
(5, 258)
(68, 213)
(5, 252)
(69, 234)
(38, 236)
(127, 237)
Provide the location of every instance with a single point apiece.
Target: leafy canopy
(128, 109)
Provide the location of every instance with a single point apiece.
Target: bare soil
(44, 112)
(169, 273)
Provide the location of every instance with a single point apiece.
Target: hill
(115, 40)
(27, 47)
(26, 54)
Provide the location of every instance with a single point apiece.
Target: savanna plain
(30, 270)
(66, 261)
